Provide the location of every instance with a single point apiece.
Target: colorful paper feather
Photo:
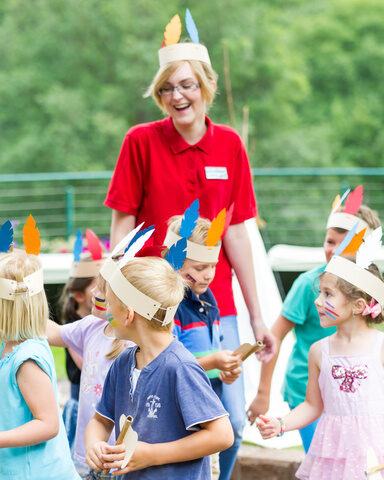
(188, 223)
(94, 245)
(369, 249)
(6, 236)
(338, 201)
(172, 31)
(216, 229)
(346, 240)
(126, 240)
(78, 246)
(136, 245)
(354, 244)
(191, 27)
(31, 237)
(354, 201)
(177, 254)
(137, 236)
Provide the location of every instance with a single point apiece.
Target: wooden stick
(246, 349)
(373, 470)
(120, 438)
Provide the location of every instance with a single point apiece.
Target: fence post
(70, 210)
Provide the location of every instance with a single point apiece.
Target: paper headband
(33, 283)
(347, 218)
(356, 273)
(86, 267)
(173, 51)
(122, 288)
(208, 253)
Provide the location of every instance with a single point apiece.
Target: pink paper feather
(354, 201)
(94, 245)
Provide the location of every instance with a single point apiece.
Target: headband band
(347, 221)
(34, 284)
(357, 276)
(84, 269)
(199, 253)
(183, 51)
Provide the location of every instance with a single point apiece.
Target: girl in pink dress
(346, 374)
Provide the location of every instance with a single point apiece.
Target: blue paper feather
(138, 235)
(188, 223)
(346, 240)
(78, 246)
(177, 254)
(6, 236)
(191, 26)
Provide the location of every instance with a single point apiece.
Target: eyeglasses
(185, 88)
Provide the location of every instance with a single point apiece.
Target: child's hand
(142, 458)
(93, 455)
(226, 360)
(113, 456)
(230, 376)
(259, 406)
(269, 427)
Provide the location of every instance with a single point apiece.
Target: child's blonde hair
(205, 75)
(369, 216)
(199, 233)
(25, 316)
(155, 277)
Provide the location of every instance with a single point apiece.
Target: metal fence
(293, 203)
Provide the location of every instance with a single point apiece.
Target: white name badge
(216, 173)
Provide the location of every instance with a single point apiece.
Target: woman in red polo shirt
(165, 165)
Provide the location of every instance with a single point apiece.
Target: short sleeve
(296, 303)
(192, 383)
(106, 405)
(243, 194)
(73, 334)
(39, 355)
(125, 190)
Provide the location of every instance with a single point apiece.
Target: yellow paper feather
(335, 202)
(172, 31)
(216, 229)
(354, 244)
(31, 236)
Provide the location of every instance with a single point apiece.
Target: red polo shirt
(158, 175)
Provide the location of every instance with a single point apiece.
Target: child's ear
(129, 317)
(79, 296)
(359, 306)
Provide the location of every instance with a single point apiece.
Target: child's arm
(37, 390)
(260, 403)
(308, 411)
(222, 360)
(97, 434)
(54, 335)
(214, 436)
(229, 377)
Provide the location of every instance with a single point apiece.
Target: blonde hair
(205, 75)
(26, 316)
(154, 277)
(369, 216)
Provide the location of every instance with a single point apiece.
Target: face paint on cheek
(100, 304)
(330, 311)
(191, 279)
(112, 321)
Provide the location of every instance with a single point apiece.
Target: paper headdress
(208, 253)
(171, 51)
(122, 288)
(88, 266)
(346, 218)
(34, 283)
(356, 273)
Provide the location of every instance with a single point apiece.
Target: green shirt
(299, 307)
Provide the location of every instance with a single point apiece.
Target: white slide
(270, 302)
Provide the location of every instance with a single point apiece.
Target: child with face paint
(346, 375)
(92, 339)
(300, 314)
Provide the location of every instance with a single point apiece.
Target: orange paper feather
(172, 31)
(31, 236)
(335, 202)
(216, 229)
(354, 244)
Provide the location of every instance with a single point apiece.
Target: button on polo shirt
(158, 175)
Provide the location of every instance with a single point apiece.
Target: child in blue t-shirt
(197, 320)
(300, 314)
(177, 416)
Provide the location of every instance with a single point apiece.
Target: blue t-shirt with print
(172, 397)
(299, 308)
(197, 325)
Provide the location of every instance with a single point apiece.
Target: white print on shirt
(216, 173)
(88, 374)
(153, 405)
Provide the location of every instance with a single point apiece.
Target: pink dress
(352, 388)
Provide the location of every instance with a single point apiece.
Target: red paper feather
(94, 245)
(354, 201)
